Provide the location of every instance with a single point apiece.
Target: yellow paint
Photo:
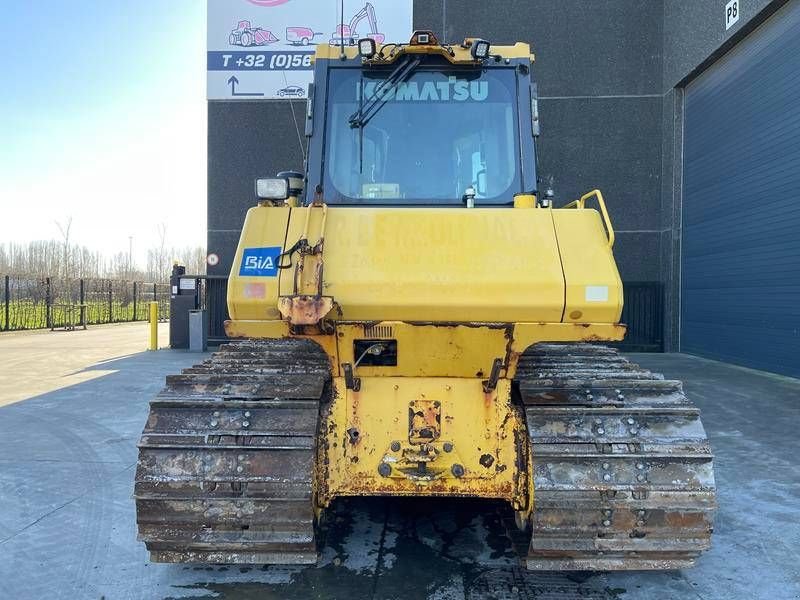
(597, 195)
(435, 264)
(361, 427)
(257, 297)
(462, 55)
(431, 350)
(524, 201)
(153, 326)
(428, 350)
(587, 261)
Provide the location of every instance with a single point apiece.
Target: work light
(480, 49)
(367, 48)
(272, 189)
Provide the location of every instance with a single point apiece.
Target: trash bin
(198, 332)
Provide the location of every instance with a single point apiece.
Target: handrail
(582, 204)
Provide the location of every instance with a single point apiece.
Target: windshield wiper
(379, 97)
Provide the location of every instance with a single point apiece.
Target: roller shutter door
(740, 258)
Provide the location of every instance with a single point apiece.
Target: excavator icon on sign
(347, 35)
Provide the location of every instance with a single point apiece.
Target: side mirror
(272, 189)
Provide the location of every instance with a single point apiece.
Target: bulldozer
(412, 317)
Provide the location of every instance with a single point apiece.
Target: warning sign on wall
(262, 49)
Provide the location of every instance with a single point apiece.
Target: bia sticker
(260, 262)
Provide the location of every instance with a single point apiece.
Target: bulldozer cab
(421, 125)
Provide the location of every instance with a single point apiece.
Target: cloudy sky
(103, 119)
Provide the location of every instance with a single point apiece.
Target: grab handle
(582, 204)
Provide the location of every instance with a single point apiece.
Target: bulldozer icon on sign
(246, 35)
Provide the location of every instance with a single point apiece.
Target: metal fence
(643, 313)
(213, 298)
(30, 302)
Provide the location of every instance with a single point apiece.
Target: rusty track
(226, 459)
(623, 471)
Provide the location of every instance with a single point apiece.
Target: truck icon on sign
(246, 35)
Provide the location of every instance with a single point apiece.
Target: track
(623, 473)
(226, 459)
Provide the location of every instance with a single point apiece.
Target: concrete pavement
(67, 530)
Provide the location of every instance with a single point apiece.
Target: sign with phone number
(260, 61)
(263, 49)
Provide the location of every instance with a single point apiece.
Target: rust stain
(305, 310)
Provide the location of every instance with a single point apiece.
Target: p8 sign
(731, 13)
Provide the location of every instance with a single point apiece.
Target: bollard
(153, 326)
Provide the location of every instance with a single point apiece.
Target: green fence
(30, 302)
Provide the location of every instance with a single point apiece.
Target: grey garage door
(740, 296)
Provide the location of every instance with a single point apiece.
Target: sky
(103, 119)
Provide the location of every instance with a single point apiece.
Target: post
(48, 300)
(134, 302)
(153, 326)
(8, 303)
(155, 292)
(110, 301)
(82, 301)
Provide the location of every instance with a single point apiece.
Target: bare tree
(64, 229)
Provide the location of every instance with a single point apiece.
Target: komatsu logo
(458, 90)
(260, 262)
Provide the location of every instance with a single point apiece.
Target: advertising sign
(262, 49)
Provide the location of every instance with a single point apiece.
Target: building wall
(609, 76)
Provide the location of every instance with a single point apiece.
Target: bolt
(436, 404)
(600, 431)
(640, 523)
(631, 421)
(641, 513)
(448, 446)
(589, 397)
(457, 470)
(216, 413)
(384, 469)
(606, 477)
(607, 512)
(214, 423)
(634, 431)
(448, 387)
(598, 421)
(239, 469)
(640, 477)
(241, 457)
(620, 396)
(246, 424)
(396, 387)
(606, 466)
(640, 466)
(616, 391)
(247, 413)
(395, 446)
(606, 523)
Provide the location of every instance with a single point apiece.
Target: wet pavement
(67, 529)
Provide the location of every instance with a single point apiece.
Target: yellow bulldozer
(417, 319)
